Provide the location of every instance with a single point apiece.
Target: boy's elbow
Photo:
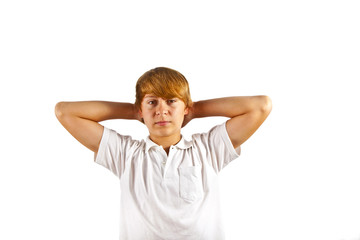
(266, 104)
(59, 109)
(263, 105)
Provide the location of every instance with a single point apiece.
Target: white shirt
(171, 196)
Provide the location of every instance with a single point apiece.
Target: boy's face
(163, 117)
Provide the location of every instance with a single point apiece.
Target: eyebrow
(150, 96)
(153, 96)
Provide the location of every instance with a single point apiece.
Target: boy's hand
(188, 117)
(137, 115)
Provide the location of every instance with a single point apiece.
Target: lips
(162, 123)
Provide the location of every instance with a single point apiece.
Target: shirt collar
(182, 144)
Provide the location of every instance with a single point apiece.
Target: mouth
(162, 123)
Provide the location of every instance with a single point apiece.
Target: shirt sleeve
(217, 148)
(113, 151)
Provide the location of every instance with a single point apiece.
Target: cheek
(145, 115)
(180, 115)
(148, 116)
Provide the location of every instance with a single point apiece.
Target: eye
(171, 100)
(151, 102)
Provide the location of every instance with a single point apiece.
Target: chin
(164, 132)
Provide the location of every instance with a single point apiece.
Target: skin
(164, 119)
(245, 113)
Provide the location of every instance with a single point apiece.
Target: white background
(299, 174)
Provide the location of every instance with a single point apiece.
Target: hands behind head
(188, 117)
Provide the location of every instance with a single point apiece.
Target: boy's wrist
(136, 114)
(196, 110)
(192, 110)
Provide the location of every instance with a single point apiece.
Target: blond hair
(165, 83)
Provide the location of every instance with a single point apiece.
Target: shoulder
(210, 137)
(113, 138)
(219, 129)
(216, 139)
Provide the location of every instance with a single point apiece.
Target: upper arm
(241, 127)
(86, 131)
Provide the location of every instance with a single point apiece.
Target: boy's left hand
(189, 116)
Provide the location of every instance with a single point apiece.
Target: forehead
(150, 96)
(147, 96)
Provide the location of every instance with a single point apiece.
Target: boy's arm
(246, 113)
(81, 119)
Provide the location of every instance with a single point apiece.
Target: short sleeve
(113, 151)
(216, 147)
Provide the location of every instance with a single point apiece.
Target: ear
(140, 113)
(186, 112)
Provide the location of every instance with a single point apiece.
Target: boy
(168, 184)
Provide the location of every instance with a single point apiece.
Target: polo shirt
(170, 197)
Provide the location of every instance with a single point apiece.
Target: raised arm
(246, 114)
(81, 119)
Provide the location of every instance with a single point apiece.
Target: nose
(162, 108)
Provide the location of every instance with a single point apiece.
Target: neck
(166, 142)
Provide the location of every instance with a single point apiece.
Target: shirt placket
(166, 160)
